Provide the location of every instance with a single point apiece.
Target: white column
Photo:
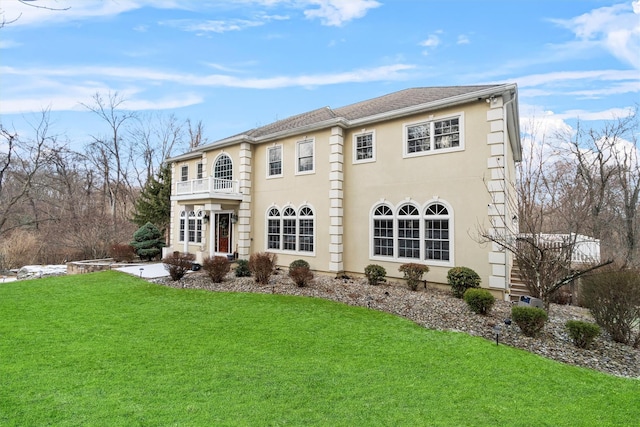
(244, 211)
(336, 196)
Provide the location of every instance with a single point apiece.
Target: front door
(223, 233)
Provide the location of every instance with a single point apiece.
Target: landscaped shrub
(582, 333)
(242, 269)
(178, 263)
(148, 241)
(122, 253)
(261, 265)
(531, 320)
(216, 267)
(461, 279)
(413, 274)
(479, 300)
(300, 272)
(375, 274)
(613, 297)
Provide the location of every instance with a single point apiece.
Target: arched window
(383, 231)
(289, 229)
(437, 242)
(223, 172)
(408, 232)
(305, 229)
(273, 229)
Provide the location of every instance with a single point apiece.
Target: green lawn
(108, 349)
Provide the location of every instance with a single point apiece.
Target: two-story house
(405, 177)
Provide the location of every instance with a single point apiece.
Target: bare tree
(19, 169)
(196, 134)
(31, 3)
(113, 155)
(608, 169)
(155, 138)
(544, 238)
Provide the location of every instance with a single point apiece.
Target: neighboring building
(406, 177)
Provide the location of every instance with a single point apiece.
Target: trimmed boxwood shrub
(413, 274)
(242, 269)
(479, 300)
(531, 320)
(582, 333)
(461, 279)
(375, 274)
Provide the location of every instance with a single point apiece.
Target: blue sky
(239, 64)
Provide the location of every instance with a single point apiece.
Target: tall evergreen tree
(154, 203)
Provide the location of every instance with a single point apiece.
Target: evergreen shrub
(375, 274)
(480, 301)
(242, 269)
(582, 333)
(531, 320)
(461, 279)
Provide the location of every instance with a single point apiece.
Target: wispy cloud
(60, 87)
(338, 12)
(211, 26)
(615, 28)
(463, 39)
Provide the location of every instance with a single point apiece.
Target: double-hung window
(184, 173)
(383, 231)
(364, 147)
(434, 136)
(289, 230)
(305, 162)
(199, 171)
(305, 229)
(274, 161)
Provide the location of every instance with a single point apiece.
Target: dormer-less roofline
(260, 135)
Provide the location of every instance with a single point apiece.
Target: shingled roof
(372, 107)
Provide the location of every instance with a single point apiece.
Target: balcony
(583, 249)
(208, 188)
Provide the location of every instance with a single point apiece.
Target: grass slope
(110, 349)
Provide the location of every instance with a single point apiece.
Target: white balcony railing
(585, 249)
(204, 186)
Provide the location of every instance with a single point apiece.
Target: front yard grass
(109, 349)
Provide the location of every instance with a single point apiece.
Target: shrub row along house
(405, 177)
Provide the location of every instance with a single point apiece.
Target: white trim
(297, 217)
(354, 146)
(313, 157)
(431, 120)
(422, 232)
(281, 174)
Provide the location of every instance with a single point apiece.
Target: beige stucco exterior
(473, 181)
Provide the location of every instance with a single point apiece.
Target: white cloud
(59, 87)
(337, 12)
(211, 26)
(615, 28)
(463, 39)
(432, 41)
